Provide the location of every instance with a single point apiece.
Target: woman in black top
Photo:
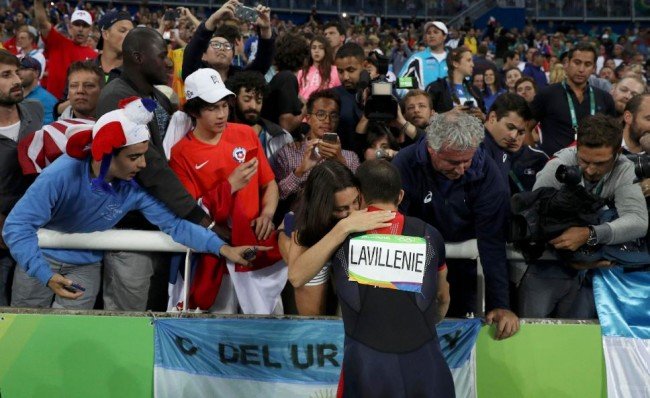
(455, 90)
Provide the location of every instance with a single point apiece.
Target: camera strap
(515, 179)
(572, 109)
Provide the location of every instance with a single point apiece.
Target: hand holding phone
(246, 14)
(330, 138)
(74, 288)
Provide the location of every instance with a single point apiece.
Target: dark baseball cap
(109, 19)
(30, 63)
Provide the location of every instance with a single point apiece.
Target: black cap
(109, 19)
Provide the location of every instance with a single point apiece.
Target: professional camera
(569, 175)
(380, 105)
(641, 164)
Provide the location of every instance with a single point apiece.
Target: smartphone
(250, 155)
(249, 254)
(331, 138)
(74, 288)
(246, 14)
(170, 15)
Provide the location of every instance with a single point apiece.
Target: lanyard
(572, 109)
(514, 178)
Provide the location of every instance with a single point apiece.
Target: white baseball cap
(206, 84)
(81, 15)
(439, 25)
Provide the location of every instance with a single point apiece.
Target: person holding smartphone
(295, 161)
(455, 91)
(222, 165)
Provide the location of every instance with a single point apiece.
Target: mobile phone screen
(331, 138)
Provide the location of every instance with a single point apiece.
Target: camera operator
(565, 291)
(636, 119)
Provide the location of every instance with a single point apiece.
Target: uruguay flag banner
(276, 357)
(623, 305)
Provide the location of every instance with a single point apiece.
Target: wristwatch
(592, 240)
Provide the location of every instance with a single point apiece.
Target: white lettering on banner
(388, 261)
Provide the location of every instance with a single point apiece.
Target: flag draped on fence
(276, 357)
(623, 304)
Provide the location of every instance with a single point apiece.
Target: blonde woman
(557, 74)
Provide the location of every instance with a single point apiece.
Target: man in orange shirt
(224, 165)
(60, 51)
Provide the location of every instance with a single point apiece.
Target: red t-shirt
(60, 52)
(201, 166)
(10, 45)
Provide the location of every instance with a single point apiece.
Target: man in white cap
(430, 64)
(221, 162)
(82, 192)
(60, 51)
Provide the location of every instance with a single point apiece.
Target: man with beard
(249, 88)
(60, 51)
(349, 64)
(626, 89)
(418, 109)
(144, 55)
(30, 70)
(18, 118)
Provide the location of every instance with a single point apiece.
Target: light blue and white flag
(623, 305)
(276, 357)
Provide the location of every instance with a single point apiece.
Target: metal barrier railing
(156, 241)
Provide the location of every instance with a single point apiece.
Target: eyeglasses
(321, 115)
(217, 45)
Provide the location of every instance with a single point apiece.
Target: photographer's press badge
(388, 261)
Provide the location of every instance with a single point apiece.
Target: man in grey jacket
(18, 118)
(564, 290)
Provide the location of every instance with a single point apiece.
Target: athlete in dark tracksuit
(391, 345)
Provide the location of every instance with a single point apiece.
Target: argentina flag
(276, 357)
(623, 304)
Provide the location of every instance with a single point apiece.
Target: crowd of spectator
(258, 126)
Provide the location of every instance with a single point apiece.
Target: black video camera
(381, 105)
(641, 164)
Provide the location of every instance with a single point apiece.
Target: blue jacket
(62, 199)
(525, 164)
(474, 206)
(537, 73)
(424, 68)
(47, 100)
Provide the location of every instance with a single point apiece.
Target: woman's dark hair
(325, 67)
(314, 218)
(455, 55)
(497, 79)
(291, 52)
(377, 131)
